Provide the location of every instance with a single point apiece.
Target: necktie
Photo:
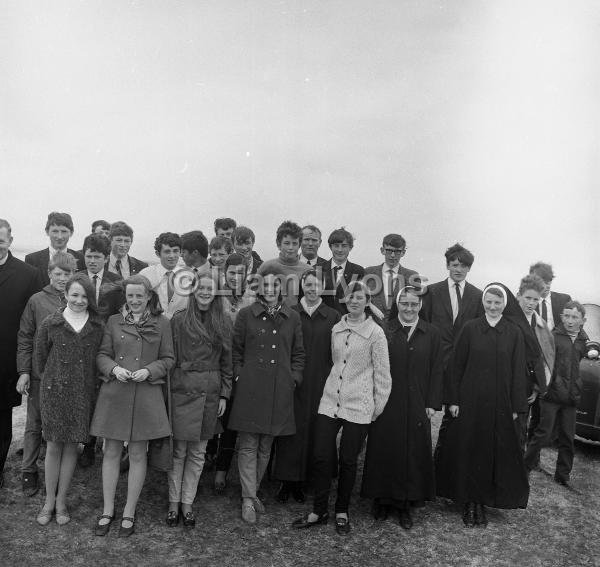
(309, 262)
(118, 266)
(95, 278)
(170, 290)
(390, 287)
(336, 273)
(458, 295)
(544, 310)
(533, 323)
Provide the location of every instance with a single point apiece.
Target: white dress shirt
(453, 298)
(548, 301)
(340, 273)
(125, 272)
(157, 275)
(385, 276)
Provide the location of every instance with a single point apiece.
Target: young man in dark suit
(309, 245)
(119, 261)
(552, 302)
(387, 279)
(59, 228)
(18, 282)
(339, 272)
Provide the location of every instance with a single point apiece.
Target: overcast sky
(472, 121)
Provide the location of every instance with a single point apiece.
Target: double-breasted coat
(268, 359)
(202, 375)
(480, 459)
(66, 361)
(133, 411)
(398, 462)
(293, 453)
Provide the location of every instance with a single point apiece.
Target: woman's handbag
(160, 451)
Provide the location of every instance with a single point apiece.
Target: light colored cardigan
(359, 383)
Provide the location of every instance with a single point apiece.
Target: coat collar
(321, 310)
(560, 330)
(500, 326)
(365, 329)
(258, 309)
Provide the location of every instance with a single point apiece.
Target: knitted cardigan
(359, 383)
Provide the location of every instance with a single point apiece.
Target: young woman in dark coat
(480, 462)
(293, 453)
(398, 471)
(66, 346)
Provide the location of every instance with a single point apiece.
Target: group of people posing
(217, 349)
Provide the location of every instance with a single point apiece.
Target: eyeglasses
(391, 251)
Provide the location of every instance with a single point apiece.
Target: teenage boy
(120, 262)
(338, 272)
(387, 279)
(558, 406)
(552, 302)
(167, 247)
(225, 227)
(18, 282)
(40, 305)
(287, 264)
(243, 243)
(96, 250)
(59, 228)
(310, 243)
(101, 227)
(194, 251)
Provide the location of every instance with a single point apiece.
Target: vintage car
(588, 412)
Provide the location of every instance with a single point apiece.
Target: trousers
(188, 462)
(254, 451)
(32, 437)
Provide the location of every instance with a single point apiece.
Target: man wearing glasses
(385, 280)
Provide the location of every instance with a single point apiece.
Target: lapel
(447, 302)
(9, 268)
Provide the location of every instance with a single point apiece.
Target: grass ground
(559, 528)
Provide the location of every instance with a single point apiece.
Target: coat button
(137, 358)
(120, 358)
(273, 346)
(338, 405)
(338, 392)
(122, 336)
(264, 318)
(138, 339)
(274, 332)
(340, 377)
(344, 362)
(272, 362)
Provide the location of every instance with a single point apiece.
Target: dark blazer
(135, 265)
(374, 279)
(558, 300)
(256, 262)
(18, 282)
(41, 258)
(334, 294)
(111, 297)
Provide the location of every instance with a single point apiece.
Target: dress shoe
(30, 484)
(480, 515)
(88, 456)
(469, 514)
(62, 517)
(189, 520)
(405, 519)
(379, 511)
(102, 529)
(283, 494)
(298, 494)
(248, 513)
(304, 522)
(172, 518)
(342, 525)
(44, 516)
(126, 532)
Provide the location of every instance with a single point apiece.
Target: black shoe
(404, 518)
(189, 520)
(379, 511)
(298, 494)
(480, 515)
(304, 523)
(469, 514)
(283, 493)
(30, 484)
(126, 532)
(342, 525)
(172, 518)
(88, 456)
(103, 529)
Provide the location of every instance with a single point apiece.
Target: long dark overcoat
(18, 282)
(268, 359)
(202, 375)
(133, 411)
(399, 462)
(293, 453)
(66, 361)
(479, 459)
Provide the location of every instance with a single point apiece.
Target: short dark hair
(543, 270)
(86, 284)
(312, 228)
(59, 219)
(235, 259)
(532, 281)
(288, 228)
(339, 236)
(219, 242)
(96, 243)
(195, 240)
(312, 272)
(575, 305)
(224, 223)
(64, 261)
(120, 228)
(242, 234)
(104, 224)
(168, 239)
(460, 253)
(394, 240)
